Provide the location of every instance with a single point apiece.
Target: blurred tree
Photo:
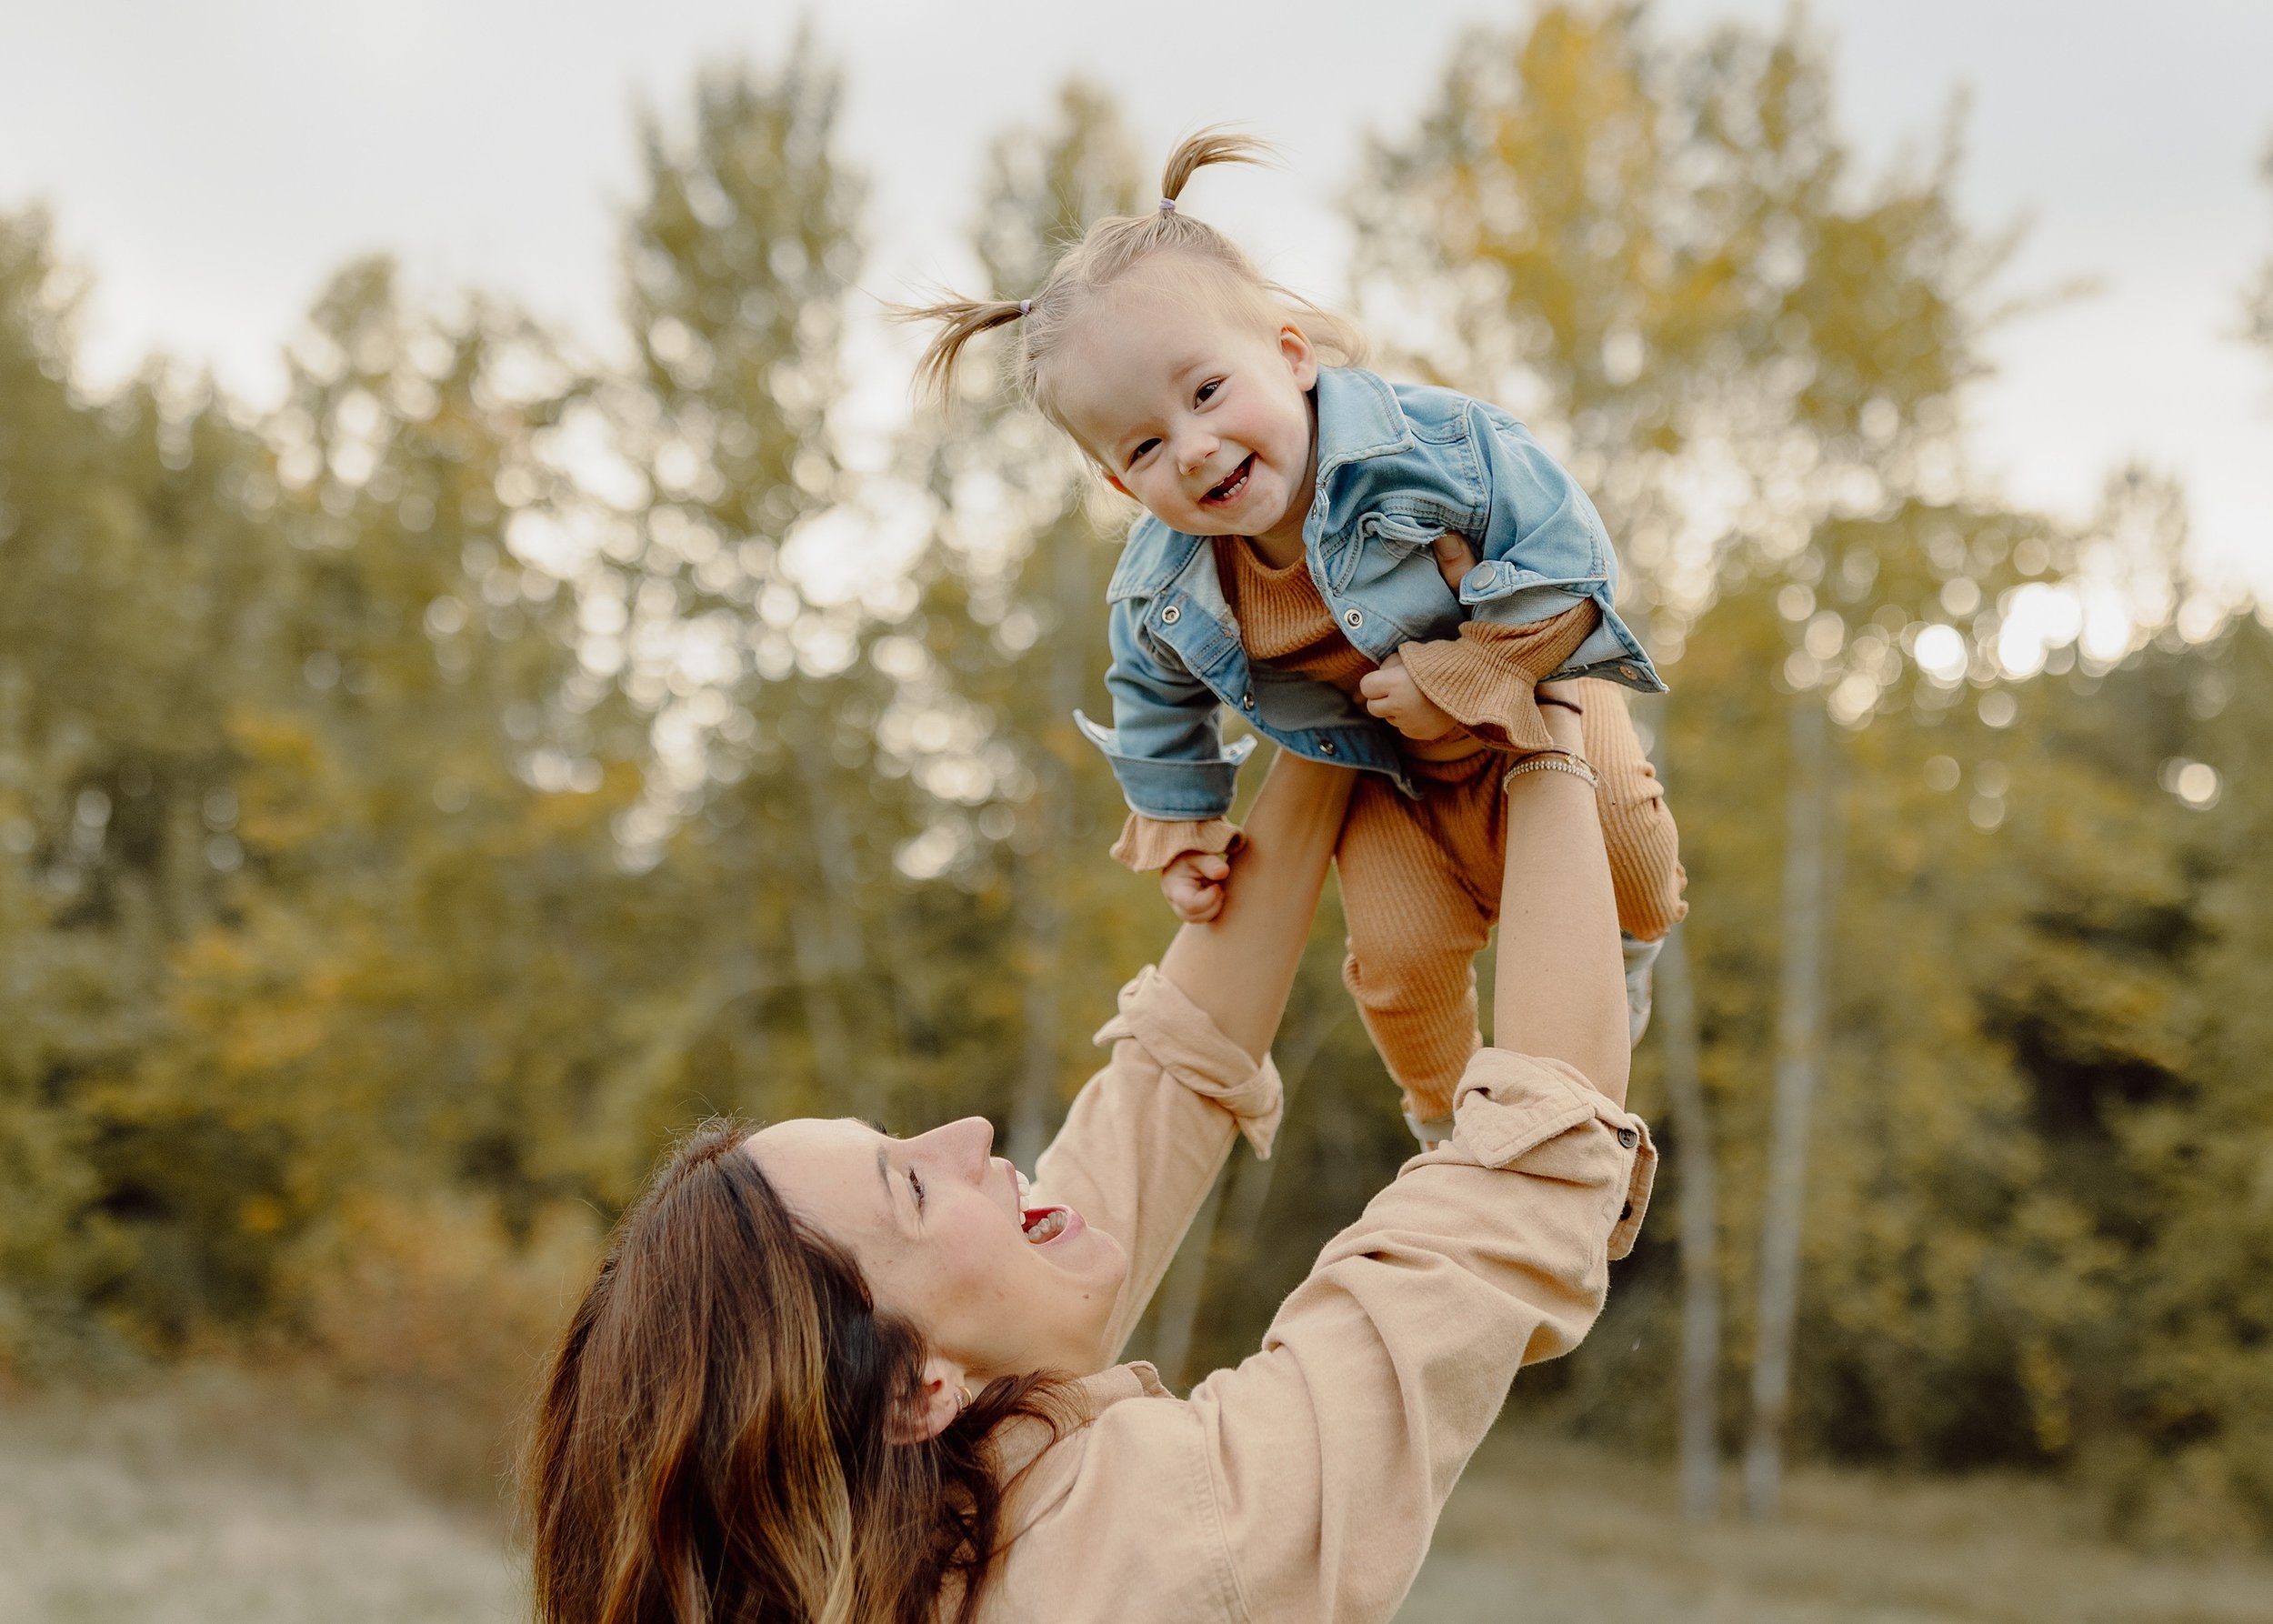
(407, 776)
(738, 626)
(1014, 595)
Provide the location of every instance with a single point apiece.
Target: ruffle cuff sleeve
(1484, 678)
(1184, 1041)
(1149, 843)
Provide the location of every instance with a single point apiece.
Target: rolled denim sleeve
(1166, 744)
(1544, 551)
(1543, 544)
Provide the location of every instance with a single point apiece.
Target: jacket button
(1171, 614)
(1326, 746)
(1247, 702)
(1628, 1137)
(1629, 673)
(1353, 618)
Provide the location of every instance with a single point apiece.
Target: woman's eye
(916, 1182)
(1138, 455)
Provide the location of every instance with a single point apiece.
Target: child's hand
(1192, 885)
(1392, 695)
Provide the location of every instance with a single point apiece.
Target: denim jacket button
(1326, 746)
(1247, 702)
(1353, 618)
(1629, 673)
(1171, 614)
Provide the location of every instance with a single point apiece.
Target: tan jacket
(1304, 1484)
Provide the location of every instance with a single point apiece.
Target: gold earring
(965, 1394)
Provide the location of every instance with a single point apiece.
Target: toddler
(1305, 559)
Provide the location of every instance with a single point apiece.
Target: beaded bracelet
(1551, 762)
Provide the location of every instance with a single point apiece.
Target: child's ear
(1114, 481)
(1302, 361)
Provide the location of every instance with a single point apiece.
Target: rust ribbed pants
(1420, 889)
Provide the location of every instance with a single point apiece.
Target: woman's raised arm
(1240, 966)
(1190, 1070)
(1560, 992)
(1329, 1456)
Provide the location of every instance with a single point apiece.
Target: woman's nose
(974, 1141)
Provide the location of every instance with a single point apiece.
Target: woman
(828, 1375)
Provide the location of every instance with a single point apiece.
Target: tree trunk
(826, 935)
(1041, 907)
(1701, 1250)
(1245, 1217)
(1237, 1216)
(1798, 1067)
(1181, 1292)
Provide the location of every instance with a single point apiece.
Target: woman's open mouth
(1045, 1224)
(1236, 484)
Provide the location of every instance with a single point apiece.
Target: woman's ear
(1302, 360)
(941, 1392)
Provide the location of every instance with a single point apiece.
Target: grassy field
(1552, 1533)
(211, 1499)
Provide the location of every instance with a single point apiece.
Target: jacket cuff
(1184, 1041)
(1149, 843)
(1540, 1117)
(1484, 678)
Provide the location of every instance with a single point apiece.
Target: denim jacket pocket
(1403, 533)
(1382, 534)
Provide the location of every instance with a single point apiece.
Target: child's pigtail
(1217, 144)
(960, 320)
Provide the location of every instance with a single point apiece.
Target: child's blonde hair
(1109, 250)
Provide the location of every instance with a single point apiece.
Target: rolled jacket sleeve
(1331, 1452)
(1146, 1135)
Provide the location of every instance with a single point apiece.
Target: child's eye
(1138, 455)
(1207, 388)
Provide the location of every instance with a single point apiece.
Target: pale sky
(212, 160)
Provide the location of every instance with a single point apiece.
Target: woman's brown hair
(1108, 250)
(714, 1443)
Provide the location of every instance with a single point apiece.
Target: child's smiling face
(1197, 410)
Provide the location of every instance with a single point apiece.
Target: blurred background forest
(420, 800)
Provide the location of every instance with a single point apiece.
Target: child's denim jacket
(1398, 466)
